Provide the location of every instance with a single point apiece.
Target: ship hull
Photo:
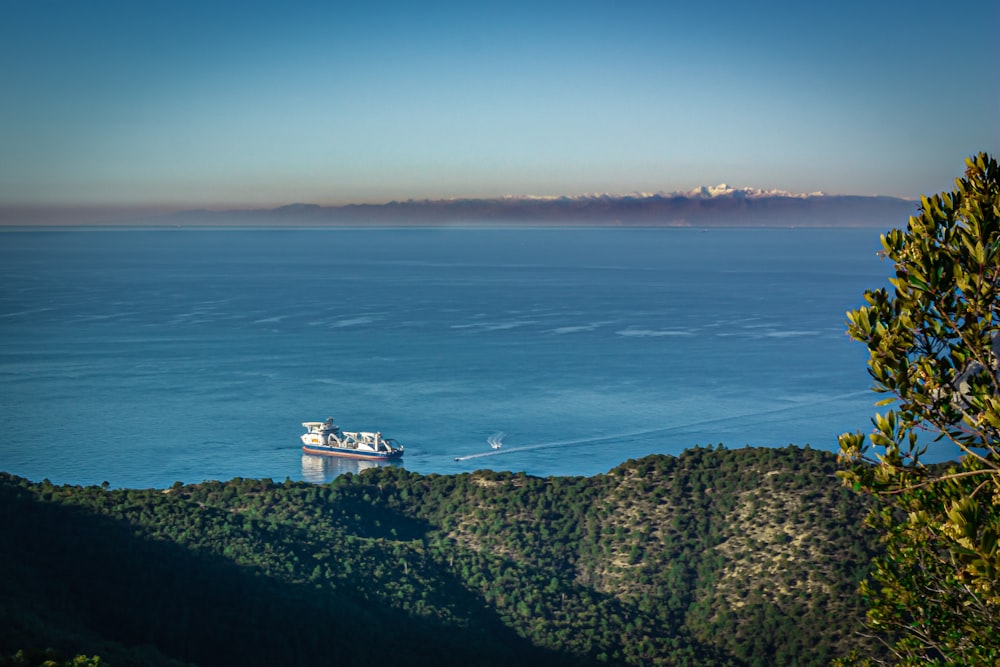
(323, 450)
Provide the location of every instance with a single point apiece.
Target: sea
(142, 357)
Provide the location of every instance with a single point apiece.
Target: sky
(177, 104)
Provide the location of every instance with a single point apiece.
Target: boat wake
(496, 451)
(496, 440)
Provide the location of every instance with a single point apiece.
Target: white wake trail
(654, 431)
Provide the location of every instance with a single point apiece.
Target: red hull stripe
(350, 455)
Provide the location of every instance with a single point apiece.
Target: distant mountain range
(708, 206)
(718, 206)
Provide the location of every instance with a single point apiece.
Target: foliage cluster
(716, 557)
(49, 658)
(934, 347)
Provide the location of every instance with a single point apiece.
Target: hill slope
(740, 557)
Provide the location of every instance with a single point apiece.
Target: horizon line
(223, 206)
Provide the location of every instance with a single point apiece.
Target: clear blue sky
(246, 104)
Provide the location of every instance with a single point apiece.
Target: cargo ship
(326, 439)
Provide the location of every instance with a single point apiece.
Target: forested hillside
(715, 557)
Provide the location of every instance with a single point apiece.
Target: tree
(934, 351)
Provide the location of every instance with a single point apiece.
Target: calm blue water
(142, 357)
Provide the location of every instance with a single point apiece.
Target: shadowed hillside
(740, 557)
